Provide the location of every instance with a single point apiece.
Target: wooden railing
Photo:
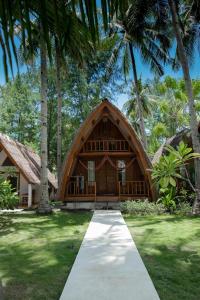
(75, 189)
(106, 145)
(127, 188)
(133, 188)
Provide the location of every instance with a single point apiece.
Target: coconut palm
(170, 11)
(188, 84)
(131, 106)
(150, 41)
(74, 43)
(44, 206)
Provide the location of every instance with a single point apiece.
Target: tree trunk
(59, 110)
(139, 104)
(191, 104)
(44, 206)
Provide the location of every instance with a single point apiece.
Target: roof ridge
(13, 140)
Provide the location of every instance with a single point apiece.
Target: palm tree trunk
(59, 110)
(191, 104)
(44, 206)
(139, 104)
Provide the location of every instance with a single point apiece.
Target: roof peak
(105, 100)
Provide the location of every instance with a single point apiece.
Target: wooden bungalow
(106, 161)
(21, 165)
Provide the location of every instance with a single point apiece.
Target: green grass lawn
(37, 253)
(170, 248)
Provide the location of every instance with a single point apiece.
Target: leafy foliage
(8, 198)
(81, 89)
(141, 207)
(19, 101)
(169, 169)
(158, 97)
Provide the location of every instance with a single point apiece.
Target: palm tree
(131, 106)
(148, 39)
(74, 42)
(188, 84)
(44, 206)
(165, 9)
(29, 55)
(59, 107)
(149, 9)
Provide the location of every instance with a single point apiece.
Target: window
(14, 182)
(121, 171)
(91, 171)
(80, 183)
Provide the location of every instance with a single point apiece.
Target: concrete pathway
(108, 265)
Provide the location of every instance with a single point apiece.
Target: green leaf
(172, 181)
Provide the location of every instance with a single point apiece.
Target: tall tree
(148, 39)
(188, 84)
(44, 206)
(162, 10)
(59, 107)
(139, 102)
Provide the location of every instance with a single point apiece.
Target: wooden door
(106, 180)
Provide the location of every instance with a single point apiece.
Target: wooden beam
(103, 153)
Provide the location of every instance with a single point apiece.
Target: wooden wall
(106, 177)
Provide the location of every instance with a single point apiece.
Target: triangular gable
(25, 159)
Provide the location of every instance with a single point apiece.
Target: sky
(143, 71)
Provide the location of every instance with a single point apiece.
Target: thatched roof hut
(25, 163)
(184, 135)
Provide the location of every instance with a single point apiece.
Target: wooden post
(95, 191)
(29, 195)
(119, 188)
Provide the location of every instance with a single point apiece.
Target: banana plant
(168, 170)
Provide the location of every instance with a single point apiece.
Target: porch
(106, 145)
(87, 191)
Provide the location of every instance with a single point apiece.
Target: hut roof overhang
(183, 135)
(25, 159)
(84, 132)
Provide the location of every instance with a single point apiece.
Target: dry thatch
(25, 159)
(173, 141)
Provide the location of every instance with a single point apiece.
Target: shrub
(142, 207)
(8, 198)
(183, 208)
(168, 199)
(170, 169)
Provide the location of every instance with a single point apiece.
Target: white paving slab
(108, 265)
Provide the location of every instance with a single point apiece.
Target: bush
(183, 208)
(142, 207)
(8, 198)
(171, 170)
(168, 199)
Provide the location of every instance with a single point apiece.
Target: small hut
(184, 135)
(21, 165)
(106, 161)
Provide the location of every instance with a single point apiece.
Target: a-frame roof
(85, 130)
(25, 159)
